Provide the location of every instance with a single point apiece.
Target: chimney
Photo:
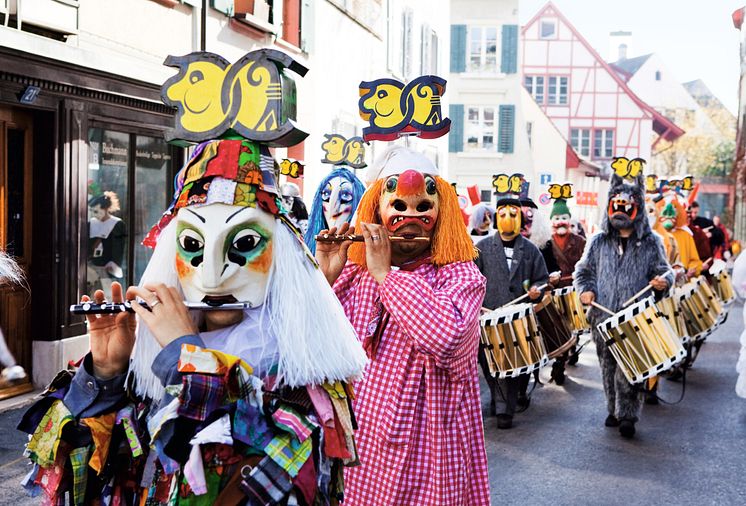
(619, 45)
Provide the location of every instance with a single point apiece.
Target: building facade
(80, 115)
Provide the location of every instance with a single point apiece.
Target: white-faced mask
(224, 253)
(336, 201)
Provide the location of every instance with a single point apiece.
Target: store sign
(587, 199)
(252, 97)
(113, 155)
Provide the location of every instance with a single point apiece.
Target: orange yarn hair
(451, 243)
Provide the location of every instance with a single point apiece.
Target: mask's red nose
(410, 182)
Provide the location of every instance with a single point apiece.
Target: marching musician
(621, 259)
(416, 307)
(512, 266)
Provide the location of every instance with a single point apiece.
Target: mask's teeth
(628, 208)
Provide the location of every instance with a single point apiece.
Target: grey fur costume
(614, 278)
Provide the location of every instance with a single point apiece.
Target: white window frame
(536, 90)
(580, 140)
(557, 83)
(606, 138)
(480, 68)
(482, 127)
(429, 51)
(407, 43)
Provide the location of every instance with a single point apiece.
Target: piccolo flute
(86, 308)
(360, 238)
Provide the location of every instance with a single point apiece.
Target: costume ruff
(420, 434)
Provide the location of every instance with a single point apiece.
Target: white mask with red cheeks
(561, 224)
(409, 204)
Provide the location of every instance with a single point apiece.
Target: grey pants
(622, 400)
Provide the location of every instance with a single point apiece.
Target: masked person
(621, 259)
(673, 218)
(334, 203)
(512, 265)
(416, 306)
(225, 406)
(480, 222)
(294, 205)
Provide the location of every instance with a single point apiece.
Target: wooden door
(15, 230)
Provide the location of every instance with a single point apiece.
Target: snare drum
(568, 303)
(701, 308)
(512, 342)
(642, 341)
(670, 307)
(558, 338)
(721, 283)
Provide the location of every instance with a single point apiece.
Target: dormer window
(548, 29)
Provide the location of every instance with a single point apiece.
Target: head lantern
(227, 236)
(408, 197)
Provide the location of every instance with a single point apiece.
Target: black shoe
(504, 421)
(627, 428)
(611, 421)
(523, 401)
(558, 373)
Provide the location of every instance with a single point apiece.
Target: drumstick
(360, 238)
(87, 308)
(514, 301)
(632, 299)
(602, 308)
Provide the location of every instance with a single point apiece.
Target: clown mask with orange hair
(408, 198)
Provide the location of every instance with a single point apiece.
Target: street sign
(545, 178)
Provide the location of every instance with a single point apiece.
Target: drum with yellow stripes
(670, 308)
(701, 308)
(642, 341)
(568, 303)
(721, 283)
(511, 341)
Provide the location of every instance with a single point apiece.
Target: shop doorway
(16, 148)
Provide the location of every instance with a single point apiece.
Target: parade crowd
(333, 356)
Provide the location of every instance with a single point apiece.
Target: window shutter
(458, 48)
(507, 128)
(509, 61)
(456, 135)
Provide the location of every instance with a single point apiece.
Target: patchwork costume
(420, 436)
(614, 268)
(256, 412)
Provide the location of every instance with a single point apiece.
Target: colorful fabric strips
(42, 448)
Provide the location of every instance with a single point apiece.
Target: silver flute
(86, 308)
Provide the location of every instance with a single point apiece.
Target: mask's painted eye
(345, 196)
(196, 77)
(326, 193)
(391, 184)
(190, 241)
(513, 211)
(430, 185)
(246, 240)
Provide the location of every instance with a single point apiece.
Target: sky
(695, 38)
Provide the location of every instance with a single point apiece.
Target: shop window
(128, 190)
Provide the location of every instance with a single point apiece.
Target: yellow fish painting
(626, 168)
(560, 191)
(393, 109)
(341, 151)
(252, 97)
(292, 168)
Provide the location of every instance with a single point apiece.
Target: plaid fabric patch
(268, 483)
(79, 462)
(289, 420)
(289, 453)
(202, 394)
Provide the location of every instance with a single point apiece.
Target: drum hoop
(518, 312)
(625, 315)
(558, 292)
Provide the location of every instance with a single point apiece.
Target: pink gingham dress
(420, 437)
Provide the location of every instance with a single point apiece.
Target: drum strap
(683, 389)
(535, 374)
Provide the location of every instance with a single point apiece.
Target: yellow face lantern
(508, 218)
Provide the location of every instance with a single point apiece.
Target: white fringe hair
(315, 340)
(9, 270)
(541, 228)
